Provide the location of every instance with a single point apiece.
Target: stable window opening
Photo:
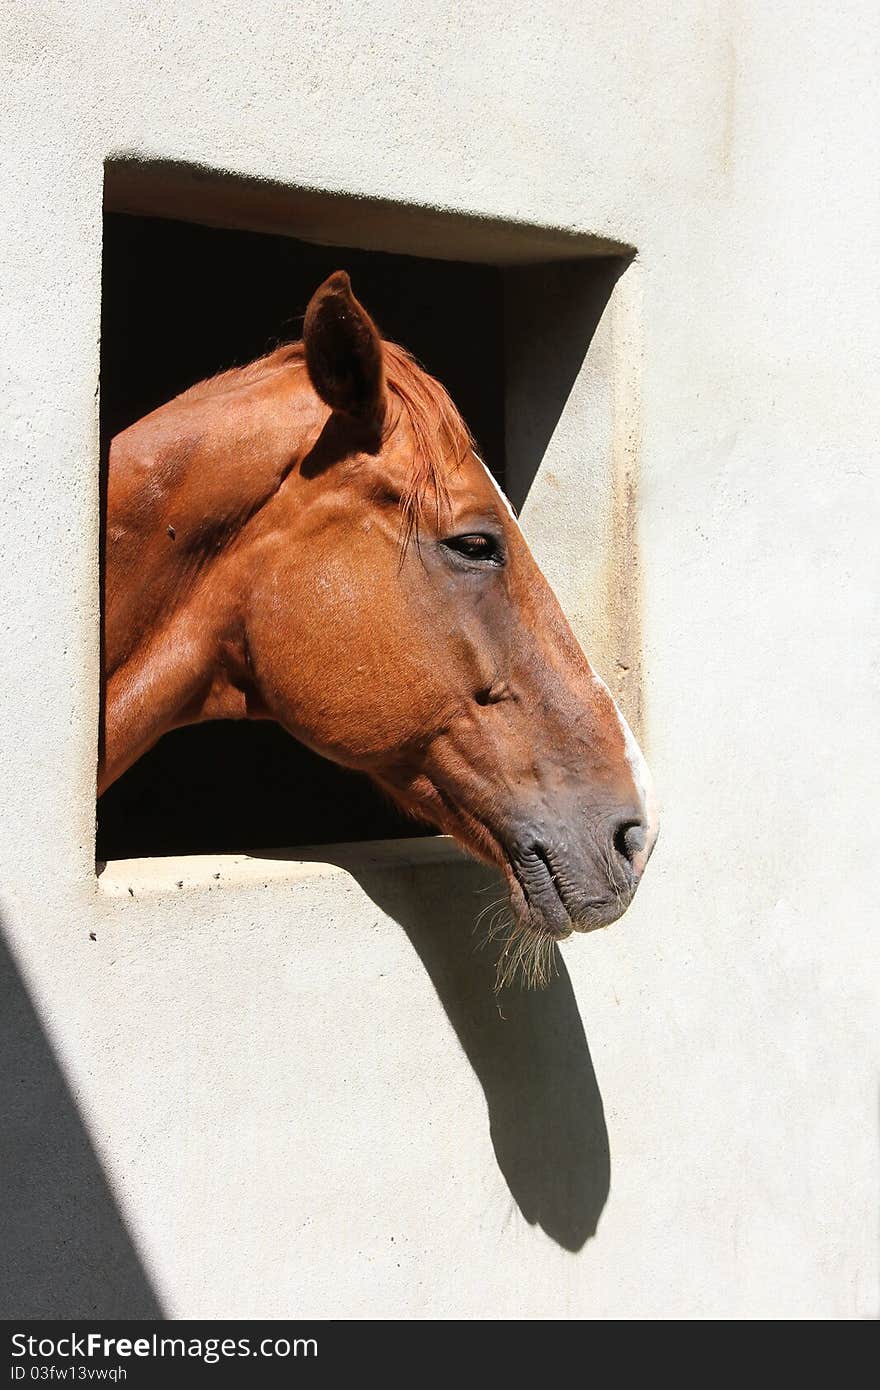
(181, 301)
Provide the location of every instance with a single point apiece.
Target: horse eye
(476, 547)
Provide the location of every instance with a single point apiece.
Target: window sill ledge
(134, 877)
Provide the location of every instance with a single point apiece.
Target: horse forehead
(472, 485)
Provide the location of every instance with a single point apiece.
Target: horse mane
(437, 427)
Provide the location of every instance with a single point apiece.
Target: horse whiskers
(498, 925)
(527, 955)
(490, 907)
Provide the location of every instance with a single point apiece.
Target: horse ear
(344, 351)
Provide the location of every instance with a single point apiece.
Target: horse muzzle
(562, 884)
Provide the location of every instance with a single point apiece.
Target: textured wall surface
(288, 1091)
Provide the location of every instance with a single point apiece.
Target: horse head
(344, 563)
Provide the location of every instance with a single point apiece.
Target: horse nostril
(493, 694)
(629, 839)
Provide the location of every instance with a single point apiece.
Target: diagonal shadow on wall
(65, 1251)
(528, 1048)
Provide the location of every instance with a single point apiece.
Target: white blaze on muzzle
(642, 781)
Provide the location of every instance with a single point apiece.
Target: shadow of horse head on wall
(528, 1048)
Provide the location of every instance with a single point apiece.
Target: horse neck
(183, 486)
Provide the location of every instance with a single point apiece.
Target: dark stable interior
(180, 303)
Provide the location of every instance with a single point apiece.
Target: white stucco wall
(253, 1090)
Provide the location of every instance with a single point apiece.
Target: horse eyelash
(494, 554)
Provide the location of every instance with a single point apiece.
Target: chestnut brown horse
(312, 539)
